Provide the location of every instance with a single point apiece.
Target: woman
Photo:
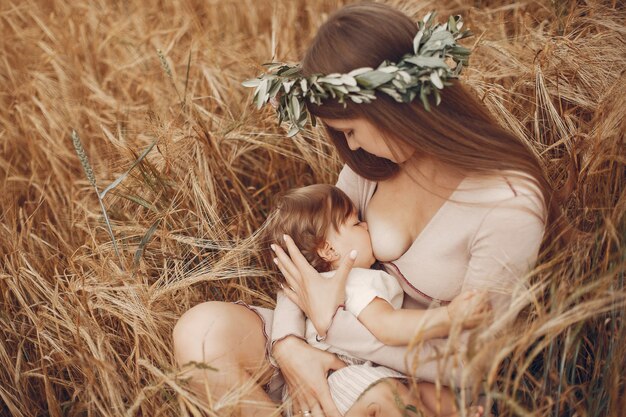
(453, 202)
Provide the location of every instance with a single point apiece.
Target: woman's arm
(502, 253)
(303, 366)
(305, 369)
(288, 319)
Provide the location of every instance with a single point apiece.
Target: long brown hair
(458, 132)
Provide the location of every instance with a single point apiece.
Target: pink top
(486, 236)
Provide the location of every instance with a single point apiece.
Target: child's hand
(471, 307)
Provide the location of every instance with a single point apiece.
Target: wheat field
(133, 169)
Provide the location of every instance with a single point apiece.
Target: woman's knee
(214, 331)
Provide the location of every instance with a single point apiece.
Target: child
(324, 224)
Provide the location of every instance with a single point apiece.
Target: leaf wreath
(419, 74)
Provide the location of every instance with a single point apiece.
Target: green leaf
(287, 85)
(261, 93)
(437, 42)
(430, 16)
(389, 69)
(424, 99)
(459, 50)
(393, 93)
(251, 83)
(293, 131)
(437, 97)
(340, 88)
(373, 79)
(417, 40)
(427, 62)
(452, 24)
(288, 71)
(295, 107)
(348, 80)
(359, 71)
(144, 241)
(125, 174)
(138, 200)
(434, 77)
(330, 80)
(274, 87)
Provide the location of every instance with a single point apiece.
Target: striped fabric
(347, 384)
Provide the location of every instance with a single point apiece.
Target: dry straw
(85, 334)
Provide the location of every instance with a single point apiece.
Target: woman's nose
(364, 224)
(352, 143)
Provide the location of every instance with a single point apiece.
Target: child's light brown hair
(306, 214)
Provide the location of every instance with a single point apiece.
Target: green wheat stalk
(82, 156)
(168, 70)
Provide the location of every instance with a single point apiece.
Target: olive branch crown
(421, 73)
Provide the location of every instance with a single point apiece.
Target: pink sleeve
(288, 319)
(505, 249)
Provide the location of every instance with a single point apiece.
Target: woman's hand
(470, 307)
(318, 297)
(305, 370)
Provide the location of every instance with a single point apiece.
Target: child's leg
(437, 402)
(391, 398)
(441, 402)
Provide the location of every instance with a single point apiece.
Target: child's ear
(327, 252)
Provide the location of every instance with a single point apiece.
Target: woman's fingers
(301, 403)
(326, 402)
(296, 403)
(295, 285)
(296, 256)
(323, 392)
(336, 363)
(287, 268)
(316, 411)
(291, 294)
(305, 401)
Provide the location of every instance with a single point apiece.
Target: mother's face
(360, 133)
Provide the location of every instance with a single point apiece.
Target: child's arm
(399, 327)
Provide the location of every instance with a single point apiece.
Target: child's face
(352, 234)
(387, 398)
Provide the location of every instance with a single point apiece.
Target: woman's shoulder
(347, 176)
(505, 189)
(359, 189)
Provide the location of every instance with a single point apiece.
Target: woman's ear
(327, 252)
